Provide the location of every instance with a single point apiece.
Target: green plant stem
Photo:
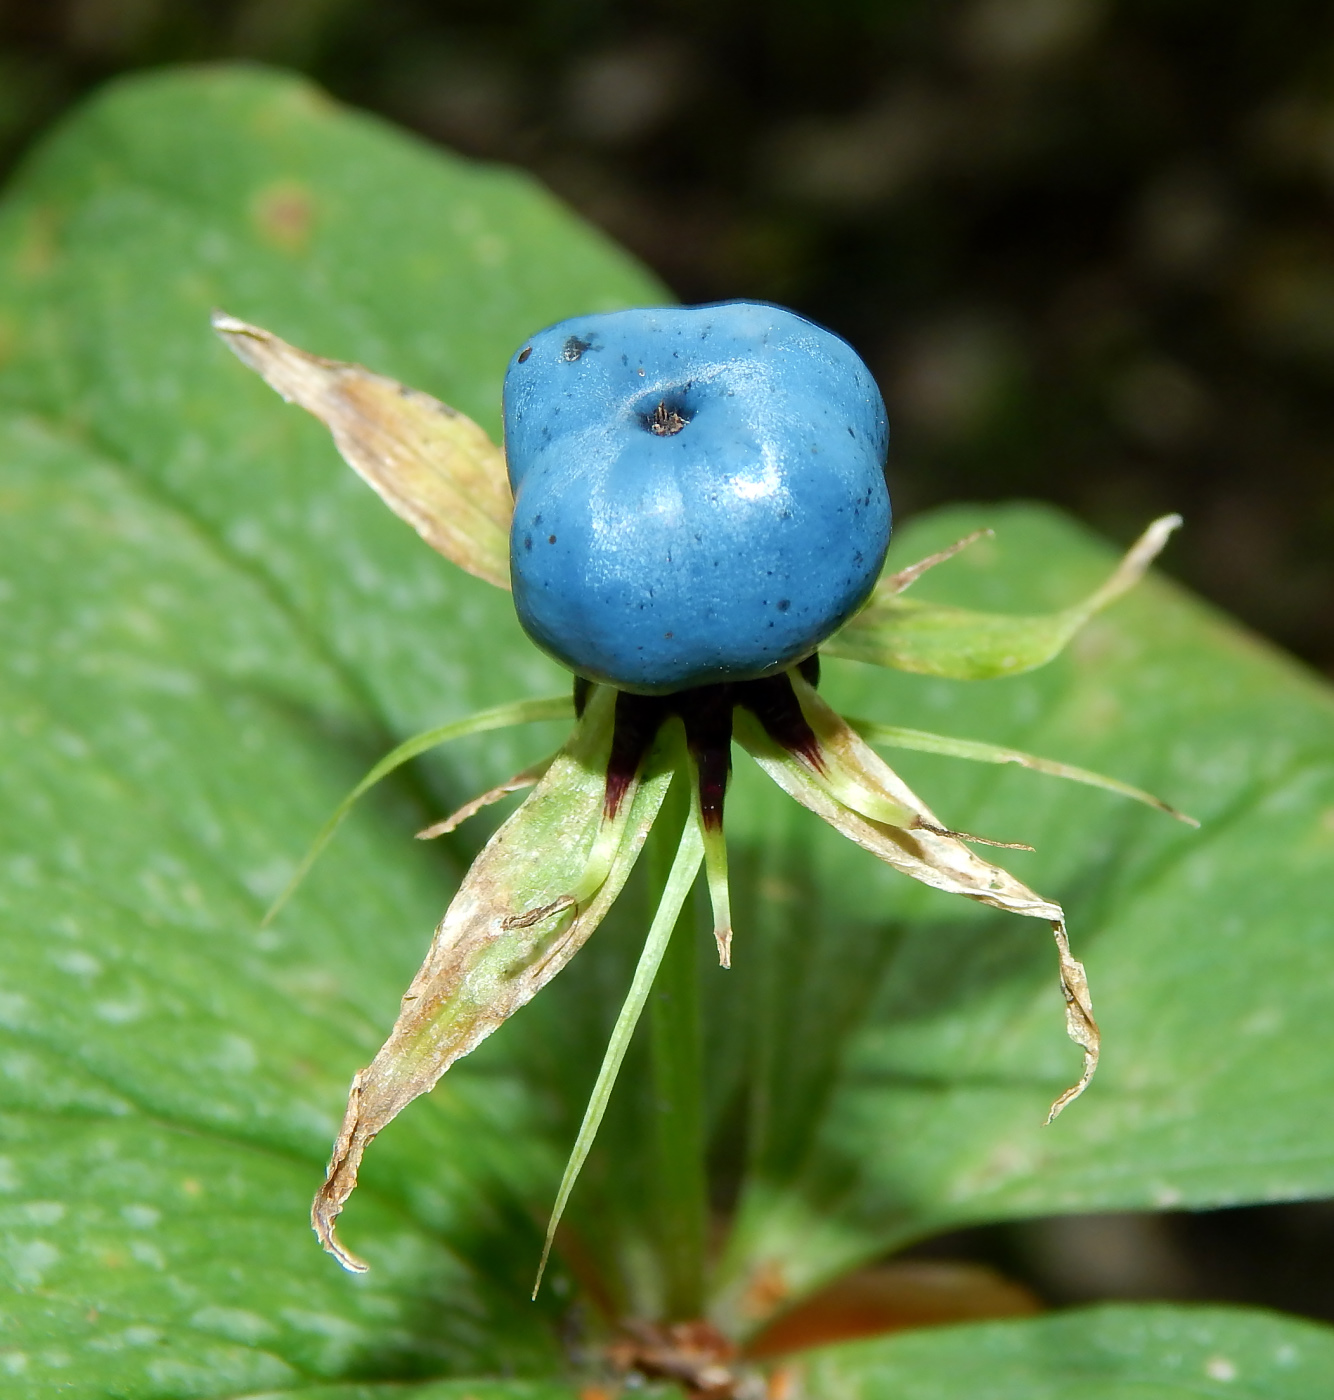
(677, 1138)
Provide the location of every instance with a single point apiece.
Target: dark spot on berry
(528, 542)
(851, 434)
(551, 539)
(784, 604)
(667, 636)
(524, 354)
(574, 347)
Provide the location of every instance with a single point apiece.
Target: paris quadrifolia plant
(690, 507)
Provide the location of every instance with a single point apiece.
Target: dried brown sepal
(891, 585)
(922, 847)
(431, 465)
(1079, 1023)
(533, 896)
(529, 777)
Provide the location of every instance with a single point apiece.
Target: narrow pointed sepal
(528, 777)
(920, 846)
(884, 815)
(533, 896)
(715, 872)
(932, 639)
(675, 892)
(891, 585)
(892, 736)
(431, 465)
(708, 725)
(499, 717)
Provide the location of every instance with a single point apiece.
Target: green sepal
(892, 736)
(931, 639)
(715, 871)
(680, 878)
(539, 888)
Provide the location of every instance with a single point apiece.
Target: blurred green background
(1087, 247)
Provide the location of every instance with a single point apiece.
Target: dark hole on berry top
(666, 418)
(574, 347)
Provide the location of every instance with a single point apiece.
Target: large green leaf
(211, 627)
(1110, 1353)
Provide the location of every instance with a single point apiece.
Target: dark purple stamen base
(706, 712)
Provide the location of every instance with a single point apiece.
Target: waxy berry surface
(699, 492)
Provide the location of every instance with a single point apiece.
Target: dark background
(1086, 245)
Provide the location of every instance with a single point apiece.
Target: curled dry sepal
(546, 878)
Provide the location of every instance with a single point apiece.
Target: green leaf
(1108, 1353)
(470, 1389)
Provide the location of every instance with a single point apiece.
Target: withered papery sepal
(932, 639)
(533, 896)
(845, 782)
(430, 464)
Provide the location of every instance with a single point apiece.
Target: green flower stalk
(547, 877)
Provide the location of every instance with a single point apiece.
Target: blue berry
(699, 492)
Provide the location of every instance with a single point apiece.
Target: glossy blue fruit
(699, 492)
